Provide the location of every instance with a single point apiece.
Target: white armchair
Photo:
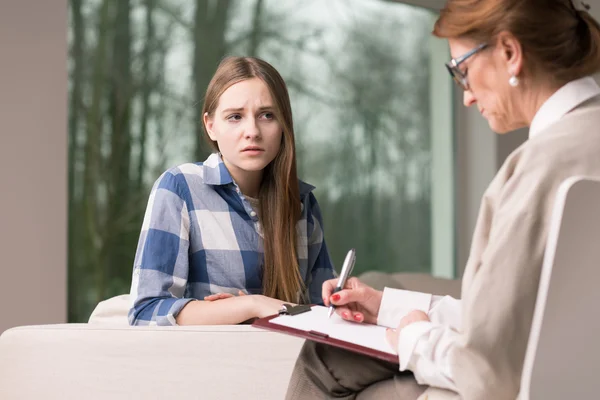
(108, 359)
(563, 353)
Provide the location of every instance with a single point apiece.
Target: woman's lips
(252, 150)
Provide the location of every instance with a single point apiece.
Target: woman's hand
(262, 306)
(220, 296)
(265, 306)
(393, 335)
(356, 302)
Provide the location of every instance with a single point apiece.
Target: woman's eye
(267, 115)
(234, 117)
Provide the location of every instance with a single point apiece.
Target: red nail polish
(335, 297)
(357, 318)
(345, 314)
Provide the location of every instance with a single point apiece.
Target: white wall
(33, 162)
(443, 237)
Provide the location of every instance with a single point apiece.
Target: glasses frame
(459, 77)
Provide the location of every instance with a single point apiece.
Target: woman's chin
(498, 127)
(503, 128)
(253, 165)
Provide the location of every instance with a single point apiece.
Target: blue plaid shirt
(200, 236)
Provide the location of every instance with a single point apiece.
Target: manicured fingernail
(357, 318)
(345, 314)
(335, 297)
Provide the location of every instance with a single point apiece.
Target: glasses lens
(458, 77)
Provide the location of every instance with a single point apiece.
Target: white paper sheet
(366, 335)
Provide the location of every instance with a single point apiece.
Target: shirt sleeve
(396, 303)
(319, 262)
(423, 346)
(161, 263)
(446, 310)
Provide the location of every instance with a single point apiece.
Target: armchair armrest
(121, 362)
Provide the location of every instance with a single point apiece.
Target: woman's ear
(208, 125)
(511, 53)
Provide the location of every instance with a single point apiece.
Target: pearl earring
(513, 81)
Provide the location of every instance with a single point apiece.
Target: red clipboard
(264, 323)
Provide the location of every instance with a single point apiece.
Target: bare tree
(210, 25)
(116, 249)
(94, 128)
(256, 32)
(149, 44)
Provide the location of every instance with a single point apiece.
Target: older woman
(523, 63)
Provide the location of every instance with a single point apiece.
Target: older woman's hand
(357, 302)
(412, 317)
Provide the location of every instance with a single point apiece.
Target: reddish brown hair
(279, 191)
(557, 40)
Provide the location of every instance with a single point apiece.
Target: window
(372, 112)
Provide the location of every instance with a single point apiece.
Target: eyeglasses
(459, 77)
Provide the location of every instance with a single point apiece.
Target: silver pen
(346, 271)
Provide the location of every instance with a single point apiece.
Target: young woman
(240, 222)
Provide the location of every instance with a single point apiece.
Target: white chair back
(563, 353)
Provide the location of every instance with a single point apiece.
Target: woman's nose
(252, 130)
(468, 98)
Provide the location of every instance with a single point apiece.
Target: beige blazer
(501, 277)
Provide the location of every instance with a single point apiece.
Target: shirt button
(253, 213)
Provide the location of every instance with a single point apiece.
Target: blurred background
(363, 96)
(98, 97)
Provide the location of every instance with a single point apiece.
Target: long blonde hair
(279, 194)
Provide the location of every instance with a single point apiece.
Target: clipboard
(312, 324)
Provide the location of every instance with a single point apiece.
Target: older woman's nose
(468, 98)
